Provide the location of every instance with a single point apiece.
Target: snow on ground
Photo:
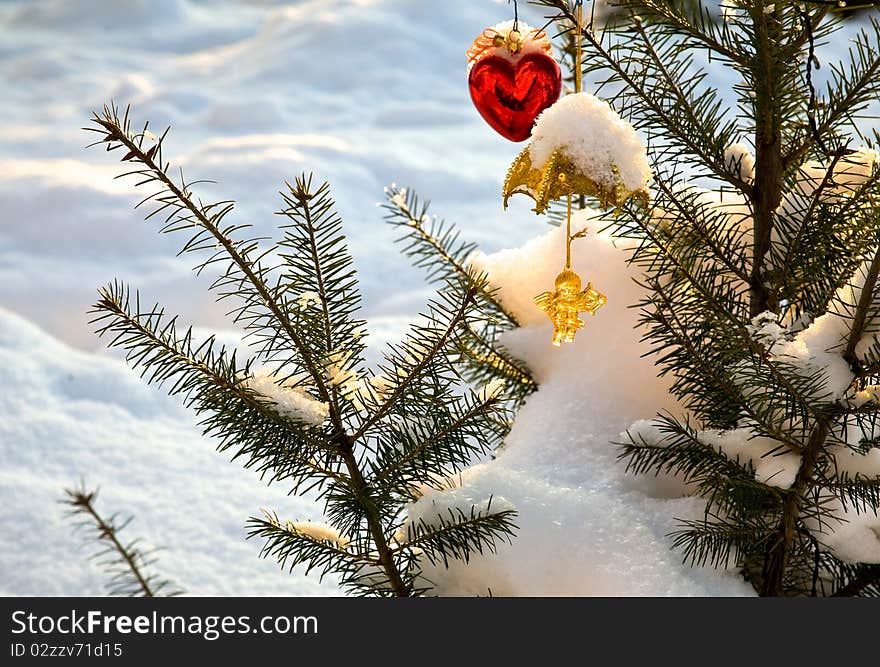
(68, 414)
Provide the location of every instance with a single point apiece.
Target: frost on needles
(306, 411)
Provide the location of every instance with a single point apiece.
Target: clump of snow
(594, 136)
(492, 389)
(361, 391)
(399, 199)
(307, 299)
(739, 160)
(435, 507)
(583, 527)
(319, 530)
(664, 485)
(853, 534)
(288, 399)
(853, 463)
(765, 329)
(819, 347)
(339, 374)
(773, 464)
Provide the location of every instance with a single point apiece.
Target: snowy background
(365, 93)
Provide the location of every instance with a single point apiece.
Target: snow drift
(584, 527)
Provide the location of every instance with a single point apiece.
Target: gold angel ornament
(566, 303)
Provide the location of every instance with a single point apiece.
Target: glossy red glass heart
(510, 96)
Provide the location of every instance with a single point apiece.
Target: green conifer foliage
(305, 411)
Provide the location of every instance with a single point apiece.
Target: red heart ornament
(511, 95)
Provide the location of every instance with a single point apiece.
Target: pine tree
(305, 411)
(762, 302)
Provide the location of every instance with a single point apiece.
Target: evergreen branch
(683, 453)
(682, 102)
(710, 239)
(127, 563)
(655, 113)
(833, 241)
(860, 492)
(429, 350)
(316, 254)
(797, 394)
(319, 350)
(434, 245)
(846, 94)
(714, 541)
(681, 24)
(291, 547)
(794, 247)
(804, 247)
(360, 490)
(118, 135)
(211, 382)
(486, 361)
(300, 210)
(676, 20)
(460, 535)
(466, 430)
(734, 393)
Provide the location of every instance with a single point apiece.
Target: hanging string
(579, 19)
(568, 237)
(812, 61)
(515, 15)
(579, 10)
